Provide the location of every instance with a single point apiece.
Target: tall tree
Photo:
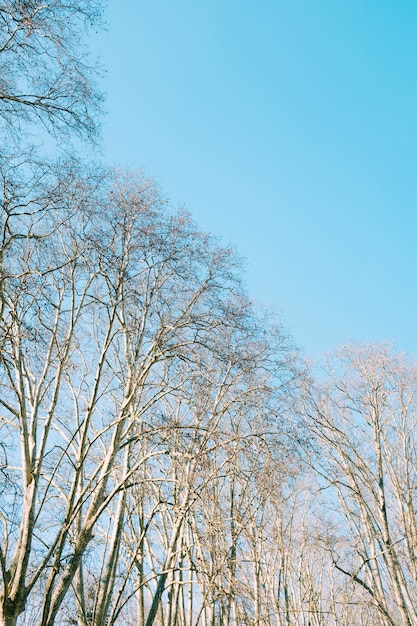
(363, 416)
(115, 310)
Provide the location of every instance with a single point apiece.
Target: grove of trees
(166, 457)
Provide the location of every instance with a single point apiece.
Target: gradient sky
(289, 129)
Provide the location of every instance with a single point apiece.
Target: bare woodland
(165, 456)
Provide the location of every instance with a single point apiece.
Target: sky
(288, 128)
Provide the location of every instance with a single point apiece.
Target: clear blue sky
(288, 128)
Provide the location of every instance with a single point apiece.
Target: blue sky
(289, 129)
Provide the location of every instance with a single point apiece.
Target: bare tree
(176, 560)
(128, 345)
(364, 420)
(46, 76)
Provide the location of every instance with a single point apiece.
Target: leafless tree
(46, 76)
(364, 419)
(128, 348)
(176, 559)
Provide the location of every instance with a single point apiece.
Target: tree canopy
(166, 458)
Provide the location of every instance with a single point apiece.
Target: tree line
(166, 456)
